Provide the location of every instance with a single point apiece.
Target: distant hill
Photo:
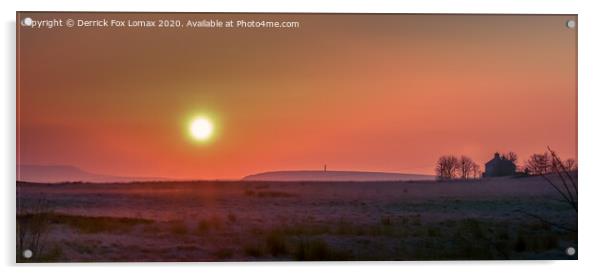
(334, 176)
(67, 173)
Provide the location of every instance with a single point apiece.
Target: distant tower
(324, 167)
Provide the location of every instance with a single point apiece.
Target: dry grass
(232, 218)
(91, 225)
(469, 238)
(330, 222)
(212, 223)
(276, 243)
(35, 224)
(268, 194)
(223, 253)
(178, 228)
(319, 250)
(254, 250)
(32, 227)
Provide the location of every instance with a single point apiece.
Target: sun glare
(201, 128)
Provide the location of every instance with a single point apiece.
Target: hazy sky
(356, 92)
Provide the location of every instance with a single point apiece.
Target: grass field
(501, 218)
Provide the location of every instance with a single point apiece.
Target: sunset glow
(234, 137)
(356, 92)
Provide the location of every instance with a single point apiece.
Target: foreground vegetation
(389, 238)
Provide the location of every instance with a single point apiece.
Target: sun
(201, 128)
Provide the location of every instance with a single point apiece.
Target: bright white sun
(201, 128)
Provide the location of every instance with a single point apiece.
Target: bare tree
(539, 163)
(569, 192)
(447, 167)
(570, 164)
(565, 182)
(511, 156)
(475, 170)
(465, 166)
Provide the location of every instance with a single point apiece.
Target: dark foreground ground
(503, 218)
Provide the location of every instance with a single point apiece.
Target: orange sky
(356, 92)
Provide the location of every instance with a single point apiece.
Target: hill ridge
(334, 175)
